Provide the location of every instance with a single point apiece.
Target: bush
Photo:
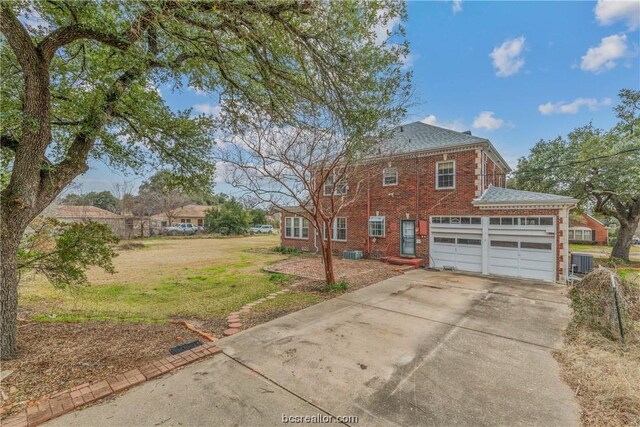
(286, 250)
(340, 286)
(592, 301)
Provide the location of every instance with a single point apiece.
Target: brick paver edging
(62, 402)
(234, 324)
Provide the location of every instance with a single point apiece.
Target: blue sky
(513, 72)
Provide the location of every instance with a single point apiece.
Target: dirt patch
(57, 356)
(358, 273)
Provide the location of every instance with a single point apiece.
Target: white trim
(384, 225)
(334, 229)
(454, 174)
(384, 171)
(335, 186)
(299, 227)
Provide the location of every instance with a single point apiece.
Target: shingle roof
(420, 136)
(507, 195)
(90, 212)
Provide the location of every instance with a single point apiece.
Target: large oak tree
(600, 168)
(80, 79)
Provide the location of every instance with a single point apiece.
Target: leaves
(63, 251)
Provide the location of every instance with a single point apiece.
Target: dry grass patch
(603, 371)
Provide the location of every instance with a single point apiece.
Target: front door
(408, 238)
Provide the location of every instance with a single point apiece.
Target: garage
(456, 243)
(522, 247)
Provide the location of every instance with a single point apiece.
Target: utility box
(352, 254)
(581, 263)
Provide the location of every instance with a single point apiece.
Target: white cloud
(507, 57)
(207, 109)
(409, 60)
(457, 6)
(454, 125)
(603, 57)
(572, 107)
(486, 120)
(610, 11)
(197, 91)
(383, 29)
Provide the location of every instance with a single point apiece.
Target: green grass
(597, 248)
(630, 275)
(232, 278)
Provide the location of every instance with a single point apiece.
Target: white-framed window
(446, 174)
(296, 228)
(376, 226)
(475, 220)
(580, 235)
(389, 176)
(339, 229)
(529, 220)
(340, 188)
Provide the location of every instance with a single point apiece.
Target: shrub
(286, 250)
(593, 304)
(340, 286)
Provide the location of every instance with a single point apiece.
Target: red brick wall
(414, 198)
(602, 233)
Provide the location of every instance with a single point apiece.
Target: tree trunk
(327, 261)
(623, 244)
(8, 288)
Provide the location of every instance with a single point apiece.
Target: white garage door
(530, 257)
(460, 251)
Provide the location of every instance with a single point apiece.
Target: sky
(512, 72)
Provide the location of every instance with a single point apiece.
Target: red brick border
(60, 403)
(234, 323)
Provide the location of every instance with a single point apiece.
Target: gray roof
(501, 195)
(420, 136)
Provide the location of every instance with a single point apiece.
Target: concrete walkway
(425, 348)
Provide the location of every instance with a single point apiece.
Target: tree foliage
(63, 251)
(100, 199)
(600, 168)
(228, 218)
(82, 81)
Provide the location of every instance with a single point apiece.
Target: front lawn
(181, 278)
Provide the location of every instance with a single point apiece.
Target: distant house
(192, 214)
(66, 213)
(587, 229)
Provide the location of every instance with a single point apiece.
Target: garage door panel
(465, 253)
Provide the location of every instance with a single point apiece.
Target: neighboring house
(67, 213)
(587, 229)
(273, 216)
(193, 214)
(440, 198)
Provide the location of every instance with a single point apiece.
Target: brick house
(441, 198)
(586, 229)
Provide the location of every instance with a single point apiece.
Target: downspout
(368, 215)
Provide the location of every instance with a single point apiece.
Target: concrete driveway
(425, 348)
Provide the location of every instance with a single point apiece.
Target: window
(503, 244)
(466, 220)
(163, 223)
(581, 235)
(535, 245)
(444, 240)
(474, 242)
(376, 226)
(445, 174)
(296, 228)
(526, 221)
(339, 189)
(390, 176)
(200, 222)
(339, 229)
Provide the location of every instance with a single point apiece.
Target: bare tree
(314, 167)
